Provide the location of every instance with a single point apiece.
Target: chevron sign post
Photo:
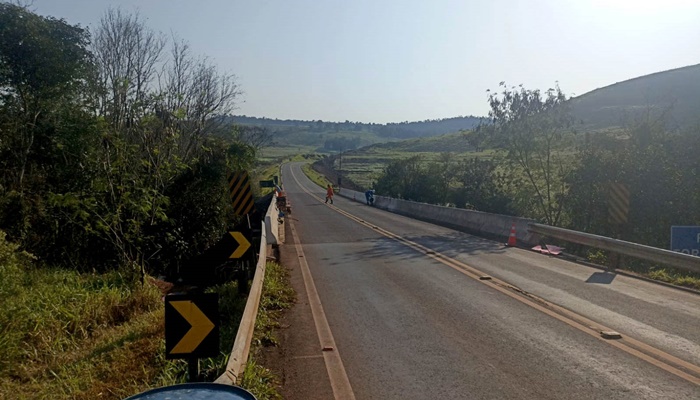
(618, 203)
(191, 325)
(241, 193)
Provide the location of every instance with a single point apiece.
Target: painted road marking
(681, 368)
(334, 364)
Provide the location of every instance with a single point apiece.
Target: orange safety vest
(329, 191)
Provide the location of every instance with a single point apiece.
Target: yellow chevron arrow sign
(243, 244)
(201, 326)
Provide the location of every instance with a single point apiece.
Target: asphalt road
(410, 317)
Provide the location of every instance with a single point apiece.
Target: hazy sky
(397, 60)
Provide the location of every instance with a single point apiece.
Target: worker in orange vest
(329, 193)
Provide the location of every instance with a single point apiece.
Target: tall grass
(66, 335)
(315, 177)
(277, 296)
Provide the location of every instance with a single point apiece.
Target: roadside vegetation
(71, 335)
(315, 177)
(277, 297)
(115, 147)
(114, 157)
(532, 160)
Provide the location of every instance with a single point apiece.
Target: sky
(411, 60)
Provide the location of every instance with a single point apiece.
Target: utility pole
(340, 170)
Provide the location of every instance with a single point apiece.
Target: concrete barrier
(241, 347)
(272, 224)
(492, 226)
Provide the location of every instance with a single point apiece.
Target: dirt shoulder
(298, 359)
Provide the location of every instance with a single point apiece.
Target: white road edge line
(334, 364)
(628, 344)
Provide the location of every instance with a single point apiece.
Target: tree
(407, 179)
(532, 130)
(127, 54)
(658, 167)
(116, 160)
(194, 98)
(42, 63)
(442, 173)
(257, 137)
(482, 188)
(158, 188)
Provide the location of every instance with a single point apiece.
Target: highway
(410, 310)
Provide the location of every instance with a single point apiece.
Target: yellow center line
(681, 368)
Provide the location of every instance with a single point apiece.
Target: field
(364, 166)
(278, 153)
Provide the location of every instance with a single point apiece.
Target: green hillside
(676, 92)
(451, 142)
(339, 136)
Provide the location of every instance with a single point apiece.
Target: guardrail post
(621, 247)
(193, 369)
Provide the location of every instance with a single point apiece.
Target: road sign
(267, 184)
(686, 239)
(243, 244)
(618, 202)
(191, 325)
(240, 193)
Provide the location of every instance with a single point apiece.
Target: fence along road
(241, 346)
(414, 315)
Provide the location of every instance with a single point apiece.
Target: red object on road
(511, 238)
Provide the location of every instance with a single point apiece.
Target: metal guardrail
(667, 257)
(241, 346)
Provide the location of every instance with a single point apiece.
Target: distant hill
(451, 142)
(676, 91)
(399, 130)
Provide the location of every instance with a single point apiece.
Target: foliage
(482, 187)
(277, 296)
(64, 333)
(261, 382)
(658, 168)
(474, 183)
(404, 179)
(43, 65)
(113, 155)
(532, 130)
(65, 336)
(673, 277)
(315, 177)
(382, 132)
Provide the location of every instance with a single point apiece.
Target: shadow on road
(601, 277)
(450, 245)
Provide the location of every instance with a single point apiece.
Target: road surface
(394, 308)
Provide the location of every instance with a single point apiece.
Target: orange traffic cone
(511, 238)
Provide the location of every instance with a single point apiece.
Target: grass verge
(675, 278)
(277, 296)
(315, 177)
(67, 335)
(646, 269)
